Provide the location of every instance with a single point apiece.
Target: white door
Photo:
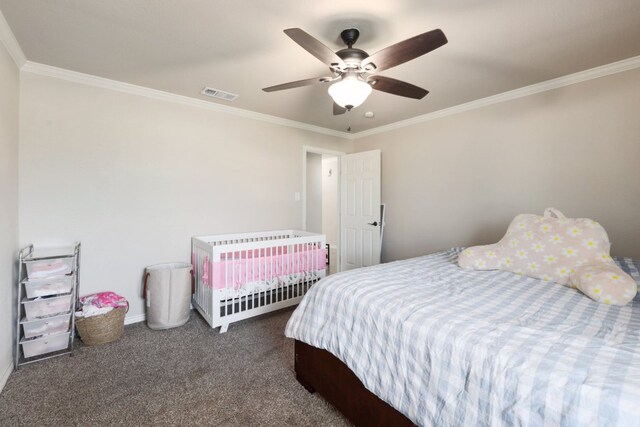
(360, 210)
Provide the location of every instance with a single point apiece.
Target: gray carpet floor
(190, 375)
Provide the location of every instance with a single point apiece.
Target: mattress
(447, 346)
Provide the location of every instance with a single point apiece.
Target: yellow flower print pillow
(605, 283)
(548, 247)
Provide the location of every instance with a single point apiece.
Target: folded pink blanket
(104, 299)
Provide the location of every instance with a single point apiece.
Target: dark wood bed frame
(318, 370)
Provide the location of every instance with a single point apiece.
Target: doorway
(321, 199)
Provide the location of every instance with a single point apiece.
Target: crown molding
(9, 41)
(581, 76)
(101, 82)
(91, 80)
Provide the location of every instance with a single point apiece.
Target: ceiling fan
(354, 71)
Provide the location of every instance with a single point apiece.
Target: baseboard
(128, 320)
(5, 375)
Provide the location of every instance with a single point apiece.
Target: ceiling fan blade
(314, 47)
(397, 87)
(299, 83)
(337, 110)
(404, 51)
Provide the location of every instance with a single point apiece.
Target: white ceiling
(180, 46)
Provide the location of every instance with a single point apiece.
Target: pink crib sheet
(239, 268)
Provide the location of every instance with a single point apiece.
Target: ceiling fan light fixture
(350, 91)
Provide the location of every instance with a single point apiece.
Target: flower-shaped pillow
(549, 247)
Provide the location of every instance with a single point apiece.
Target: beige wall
(459, 180)
(314, 193)
(134, 178)
(9, 94)
(330, 188)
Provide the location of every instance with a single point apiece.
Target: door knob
(374, 223)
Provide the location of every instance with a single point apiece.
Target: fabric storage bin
(49, 286)
(48, 267)
(167, 290)
(47, 326)
(46, 306)
(46, 344)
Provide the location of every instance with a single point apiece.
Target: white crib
(238, 276)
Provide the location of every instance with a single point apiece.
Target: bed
(426, 342)
(238, 276)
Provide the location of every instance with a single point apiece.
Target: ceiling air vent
(220, 94)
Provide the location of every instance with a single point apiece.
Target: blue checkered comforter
(451, 347)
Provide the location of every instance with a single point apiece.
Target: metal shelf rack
(41, 321)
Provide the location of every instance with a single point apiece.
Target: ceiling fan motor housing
(351, 56)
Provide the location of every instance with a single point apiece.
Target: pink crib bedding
(236, 269)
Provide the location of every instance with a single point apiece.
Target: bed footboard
(318, 370)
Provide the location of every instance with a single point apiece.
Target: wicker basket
(103, 328)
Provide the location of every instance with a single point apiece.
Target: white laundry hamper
(167, 291)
